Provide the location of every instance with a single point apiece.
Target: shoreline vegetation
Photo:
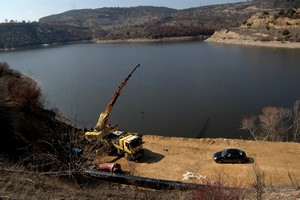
(212, 39)
(148, 40)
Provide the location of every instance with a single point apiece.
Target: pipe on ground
(142, 181)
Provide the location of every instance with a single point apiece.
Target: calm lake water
(192, 89)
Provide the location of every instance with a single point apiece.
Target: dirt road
(170, 158)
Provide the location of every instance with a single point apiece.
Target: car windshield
(223, 153)
(231, 151)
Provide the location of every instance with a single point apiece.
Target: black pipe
(142, 181)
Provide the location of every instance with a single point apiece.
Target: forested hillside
(144, 22)
(24, 35)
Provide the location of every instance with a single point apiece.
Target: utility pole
(73, 4)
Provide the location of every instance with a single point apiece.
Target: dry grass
(17, 183)
(217, 190)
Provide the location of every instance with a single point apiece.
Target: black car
(231, 156)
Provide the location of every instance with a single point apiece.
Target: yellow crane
(125, 143)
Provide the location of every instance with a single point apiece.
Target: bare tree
(249, 123)
(274, 124)
(31, 95)
(23, 92)
(296, 121)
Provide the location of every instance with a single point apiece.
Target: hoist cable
(141, 94)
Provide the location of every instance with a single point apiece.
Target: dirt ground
(170, 158)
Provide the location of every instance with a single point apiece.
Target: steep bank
(30, 134)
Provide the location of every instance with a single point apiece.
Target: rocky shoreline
(273, 44)
(230, 37)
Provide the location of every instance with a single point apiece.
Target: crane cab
(129, 144)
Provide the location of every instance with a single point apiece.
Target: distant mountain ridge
(143, 22)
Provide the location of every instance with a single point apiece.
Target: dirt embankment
(170, 158)
(274, 29)
(236, 38)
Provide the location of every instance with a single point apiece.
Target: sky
(33, 10)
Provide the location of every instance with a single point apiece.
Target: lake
(185, 89)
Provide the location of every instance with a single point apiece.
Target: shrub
(20, 91)
(258, 182)
(218, 190)
(285, 32)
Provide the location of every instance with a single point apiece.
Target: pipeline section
(141, 181)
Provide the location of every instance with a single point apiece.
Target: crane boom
(103, 118)
(127, 144)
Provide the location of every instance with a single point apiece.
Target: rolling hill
(144, 22)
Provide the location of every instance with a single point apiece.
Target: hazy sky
(34, 9)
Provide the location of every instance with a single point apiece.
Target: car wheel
(219, 161)
(239, 161)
